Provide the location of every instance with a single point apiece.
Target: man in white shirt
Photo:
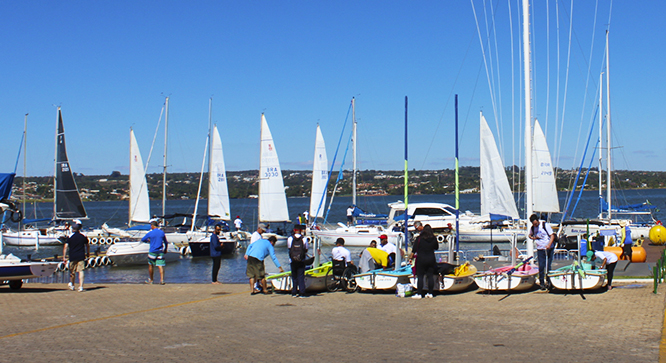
(544, 238)
(389, 248)
(238, 223)
(608, 259)
(256, 235)
(350, 215)
(339, 252)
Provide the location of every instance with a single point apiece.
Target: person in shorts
(158, 248)
(79, 250)
(255, 255)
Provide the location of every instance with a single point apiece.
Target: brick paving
(202, 322)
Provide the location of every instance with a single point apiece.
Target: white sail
(496, 196)
(319, 177)
(218, 192)
(543, 177)
(139, 202)
(272, 197)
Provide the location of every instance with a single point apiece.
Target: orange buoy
(637, 253)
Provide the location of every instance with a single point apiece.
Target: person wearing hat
(341, 253)
(238, 223)
(608, 259)
(256, 235)
(158, 248)
(79, 250)
(255, 255)
(216, 252)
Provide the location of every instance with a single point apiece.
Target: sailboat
(319, 177)
(497, 201)
(67, 204)
(12, 269)
(136, 252)
(272, 197)
(218, 201)
(358, 235)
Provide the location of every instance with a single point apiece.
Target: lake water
(198, 270)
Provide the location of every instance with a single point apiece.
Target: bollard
(654, 275)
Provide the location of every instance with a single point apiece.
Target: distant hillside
(243, 184)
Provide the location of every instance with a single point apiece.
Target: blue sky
(109, 64)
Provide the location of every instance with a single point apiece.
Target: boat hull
(136, 253)
(315, 279)
(497, 281)
(383, 279)
(30, 238)
(573, 281)
(26, 270)
(202, 248)
(357, 236)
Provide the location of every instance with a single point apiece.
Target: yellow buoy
(658, 235)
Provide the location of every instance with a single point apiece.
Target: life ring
(188, 250)
(19, 213)
(93, 240)
(183, 250)
(116, 240)
(106, 261)
(440, 238)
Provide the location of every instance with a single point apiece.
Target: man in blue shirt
(255, 254)
(158, 248)
(216, 252)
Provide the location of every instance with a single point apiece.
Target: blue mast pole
(457, 186)
(398, 256)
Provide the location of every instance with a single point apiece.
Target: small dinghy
(520, 277)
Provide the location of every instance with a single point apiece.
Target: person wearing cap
(216, 252)
(158, 248)
(255, 255)
(79, 250)
(256, 235)
(238, 223)
(297, 267)
(388, 247)
(340, 253)
(544, 238)
(609, 260)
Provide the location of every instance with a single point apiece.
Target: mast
(164, 171)
(398, 256)
(528, 117)
(608, 131)
(457, 187)
(601, 143)
(203, 165)
(55, 166)
(354, 153)
(261, 150)
(25, 151)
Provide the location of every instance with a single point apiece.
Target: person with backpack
(544, 238)
(298, 249)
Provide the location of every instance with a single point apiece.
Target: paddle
(518, 266)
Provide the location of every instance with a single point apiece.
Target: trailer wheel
(15, 284)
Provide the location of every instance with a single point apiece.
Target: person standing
(216, 252)
(306, 215)
(158, 248)
(79, 250)
(298, 249)
(426, 265)
(255, 255)
(238, 223)
(544, 238)
(627, 242)
(609, 260)
(256, 235)
(350, 215)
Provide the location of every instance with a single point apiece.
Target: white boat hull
(356, 236)
(448, 283)
(136, 253)
(30, 238)
(502, 282)
(485, 236)
(312, 283)
(11, 268)
(573, 281)
(381, 280)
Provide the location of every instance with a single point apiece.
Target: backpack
(297, 250)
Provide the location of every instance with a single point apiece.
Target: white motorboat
(33, 237)
(136, 253)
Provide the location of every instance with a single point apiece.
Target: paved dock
(203, 322)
